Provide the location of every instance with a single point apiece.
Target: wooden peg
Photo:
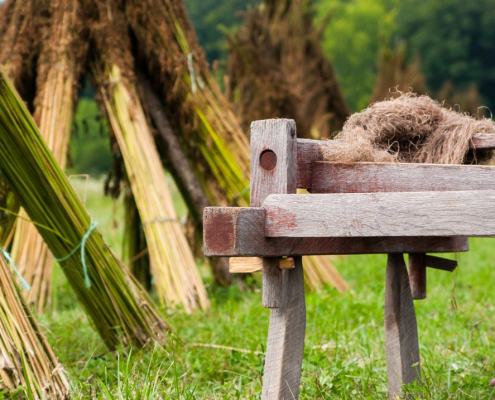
(246, 265)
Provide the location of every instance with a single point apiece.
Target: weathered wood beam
(463, 213)
(285, 345)
(240, 232)
(401, 329)
(441, 263)
(386, 177)
(310, 151)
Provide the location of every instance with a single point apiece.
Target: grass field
(344, 354)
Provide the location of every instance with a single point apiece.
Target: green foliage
(208, 18)
(90, 144)
(454, 39)
(351, 41)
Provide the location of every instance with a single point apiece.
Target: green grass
(344, 354)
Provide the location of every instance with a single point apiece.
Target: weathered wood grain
(245, 265)
(463, 213)
(401, 330)
(240, 232)
(440, 263)
(273, 282)
(278, 137)
(417, 275)
(310, 151)
(386, 177)
(273, 170)
(483, 141)
(285, 346)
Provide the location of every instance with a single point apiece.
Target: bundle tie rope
(82, 245)
(6, 254)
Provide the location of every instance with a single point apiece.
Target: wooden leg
(401, 330)
(285, 346)
(417, 275)
(273, 278)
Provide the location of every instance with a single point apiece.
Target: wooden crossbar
(240, 232)
(462, 213)
(386, 177)
(310, 151)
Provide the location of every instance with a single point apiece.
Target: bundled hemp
(409, 128)
(58, 73)
(28, 365)
(176, 276)
(118, 306)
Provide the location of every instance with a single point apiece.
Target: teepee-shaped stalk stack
(176, 276)
(57, 79)
(119, 308)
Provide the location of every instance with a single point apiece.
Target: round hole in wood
(268, 160)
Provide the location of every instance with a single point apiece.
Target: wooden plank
(463, 213)
(285, 345)
(417, 275)
(401, 330)
(310, 151)
(273, 170)
(483, 141)
(246, 265)
(240, 232)
(386, 177)
(440, 263)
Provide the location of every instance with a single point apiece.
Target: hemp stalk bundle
(197, 109)
(58, 74)
(176, 276)
(28, 365)
(117, 305)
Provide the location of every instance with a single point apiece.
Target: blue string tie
(82, 245)
(24, 284)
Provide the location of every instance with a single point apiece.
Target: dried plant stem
(118, 306)
(177, 278)
(58, 74)
(27, 360)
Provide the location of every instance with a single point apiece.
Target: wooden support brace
(246, 265)
(401, 330)
(417, 275)
(273, 170)
(240, 232)
(285, 346)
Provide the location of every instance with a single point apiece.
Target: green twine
(24, 284)
(82, 245)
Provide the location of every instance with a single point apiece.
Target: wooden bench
(353, 208)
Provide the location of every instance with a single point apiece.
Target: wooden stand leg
(285, 346)
(417, 275)
(401, 330)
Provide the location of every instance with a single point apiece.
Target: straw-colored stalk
(53, 113)
(319, 270)
(117, 305)
(27, 362)
(210, 132)
(176, 275)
